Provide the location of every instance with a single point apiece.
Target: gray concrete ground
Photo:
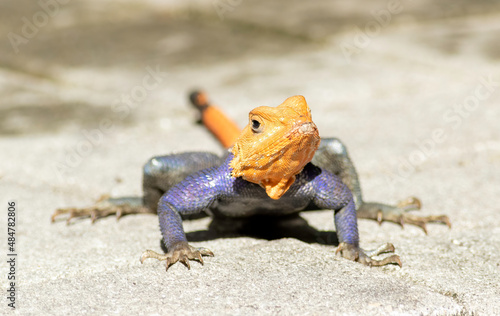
(90, 90)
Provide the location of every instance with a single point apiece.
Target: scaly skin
(197, 182)
(216, 191)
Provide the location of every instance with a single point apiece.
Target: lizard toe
(354, 253)
(181, 252)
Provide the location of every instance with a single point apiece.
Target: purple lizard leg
(175, 240)
(347, 232)
(332, 193)
(189, 197)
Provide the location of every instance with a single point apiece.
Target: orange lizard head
(276, 145)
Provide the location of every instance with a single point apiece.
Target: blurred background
(85, 82)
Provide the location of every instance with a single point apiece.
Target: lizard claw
(413, 203)
(357, 254)
(181, 252)
(75, 213)
(421, 221)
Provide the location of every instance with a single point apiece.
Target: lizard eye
(256, 126)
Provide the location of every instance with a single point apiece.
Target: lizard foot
(399, 214)
(181, 252)
(357, 254)
(102, 208)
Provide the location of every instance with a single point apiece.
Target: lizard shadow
(264, 227)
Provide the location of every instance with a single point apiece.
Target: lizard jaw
(293, 160)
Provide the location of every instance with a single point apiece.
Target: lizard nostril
(307, 128)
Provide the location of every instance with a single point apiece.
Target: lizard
(332, 151)
(268, 172)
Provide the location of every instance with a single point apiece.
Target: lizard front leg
(191, 196)
(174, 239)
(331, 193)
(347, 232)
(163, 172)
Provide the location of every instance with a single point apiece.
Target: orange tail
(222, 127)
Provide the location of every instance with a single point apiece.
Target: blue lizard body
(277, 168)
(218, 193)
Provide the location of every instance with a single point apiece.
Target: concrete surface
(96, 88)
